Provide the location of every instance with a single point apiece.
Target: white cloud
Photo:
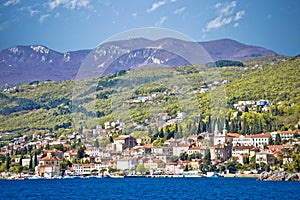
(217, 23)
(134, 14)
(70, 4)
(43, 17)
(218, 5)
(178, 11)
(156, 5)
(228, 10)
(11, 2)
(162, 20)
(33, 12)
(172, 1)
(239, 15)
(226, 15)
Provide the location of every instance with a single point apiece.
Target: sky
(68, 25)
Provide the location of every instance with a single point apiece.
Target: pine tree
(245, 128)
(255, 126)
(260, 127)
(209, 125)
(7, 162)
(80, 153)
(35, 159)
(31, 163)
(199, 127)
(277, 139)
(21, 158)
(161, 133)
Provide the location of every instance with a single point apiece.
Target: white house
(77, 169)
(181, 148)
(265, 157)
(202, 150)
(257, 140)
(126, 163)
(87, 169)
(284, 135)
(49, 166)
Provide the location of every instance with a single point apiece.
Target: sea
(149, 188)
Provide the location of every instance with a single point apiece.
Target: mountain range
(24, 64)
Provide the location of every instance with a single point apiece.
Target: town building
(49, 166)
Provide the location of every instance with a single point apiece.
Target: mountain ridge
(24, 64)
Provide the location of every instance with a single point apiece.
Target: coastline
(265, 176)
(24, 177)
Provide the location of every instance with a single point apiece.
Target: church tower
(220, 137)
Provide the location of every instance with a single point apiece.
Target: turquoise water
(149, 188)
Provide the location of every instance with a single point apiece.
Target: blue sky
(66, 25)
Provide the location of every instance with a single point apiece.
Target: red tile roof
(235, 135)
(52, 158)
(242, 147)
(263, 135)
(196, 148)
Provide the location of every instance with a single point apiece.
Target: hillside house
(220, 152)
(202, 150)
(265, 157)
(181, 148)
(122, 142)
(49, 166)
(257, 140)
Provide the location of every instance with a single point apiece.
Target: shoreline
(133, 176)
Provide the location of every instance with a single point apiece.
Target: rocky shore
(279, 176)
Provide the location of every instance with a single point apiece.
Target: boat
(192, 174)
(34, 177)
(108, 175)
(212, 175)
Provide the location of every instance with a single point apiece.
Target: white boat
(212, 175)
(108, 175)
(67, 177)
(192, 174)
(34, 177)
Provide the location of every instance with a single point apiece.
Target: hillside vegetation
(66, 106)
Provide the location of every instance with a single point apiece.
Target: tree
(58, 147)
(245, 128)
(142, 169)
(246, 159)
(31, 163)
(233, 166)
(271, 141)
(21, 158)
(7, 162)
(35, 159)
(277, 139)
(183, 156)
(186, 167)
(206, 164)
(222, 169)
(161, 133)
(47, 146)
(2, 158)
(158, 142)
(80, 153)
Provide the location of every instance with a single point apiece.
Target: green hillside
(66, 106)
